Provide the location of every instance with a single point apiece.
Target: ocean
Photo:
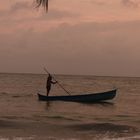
(24, 117)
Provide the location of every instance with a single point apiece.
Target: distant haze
(92, 37)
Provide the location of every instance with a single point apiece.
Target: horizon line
(70, 74)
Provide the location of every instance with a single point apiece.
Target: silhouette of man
(49, 83)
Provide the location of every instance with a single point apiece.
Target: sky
(86, 37)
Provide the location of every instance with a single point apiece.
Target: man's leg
(48, 90)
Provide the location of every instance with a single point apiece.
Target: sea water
(23, 117)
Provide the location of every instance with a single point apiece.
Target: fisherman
(49, 83)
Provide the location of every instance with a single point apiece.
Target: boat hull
(94, 97)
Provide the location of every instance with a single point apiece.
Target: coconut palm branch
(43, 3)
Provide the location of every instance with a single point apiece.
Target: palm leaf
(43, 3)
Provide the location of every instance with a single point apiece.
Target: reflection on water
(105, 127)
(99, 137)
(17, 138)
(103, 103)
(48, 105)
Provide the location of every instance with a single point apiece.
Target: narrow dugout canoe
(88, 98)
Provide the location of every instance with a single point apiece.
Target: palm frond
(43, 3)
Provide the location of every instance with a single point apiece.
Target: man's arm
(53, 82)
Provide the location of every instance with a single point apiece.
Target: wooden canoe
(89, 98)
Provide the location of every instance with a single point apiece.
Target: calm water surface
(23, 117)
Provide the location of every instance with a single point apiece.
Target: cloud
(23, 13)
(15, 8)
(20, 6)
(99, 2)
(58, 14)
(131, 3)
(93, 48)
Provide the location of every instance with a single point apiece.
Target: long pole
(57, 82)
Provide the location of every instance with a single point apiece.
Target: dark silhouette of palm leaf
(43, 3)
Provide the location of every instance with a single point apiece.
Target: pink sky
(95, 37)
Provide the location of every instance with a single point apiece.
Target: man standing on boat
(49, 83)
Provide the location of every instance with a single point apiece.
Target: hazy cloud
(99, 2)
(93, 48)
(16, 7)
(20, 5)
(57, 14)
(131, 3)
